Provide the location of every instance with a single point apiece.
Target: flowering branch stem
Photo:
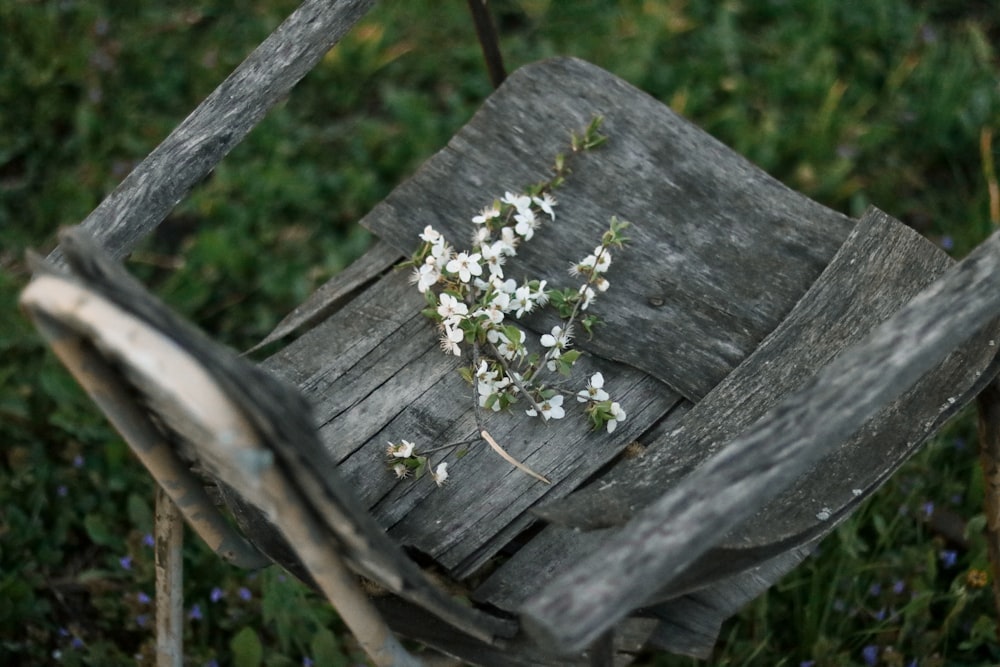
(513, 378)
(485, 435)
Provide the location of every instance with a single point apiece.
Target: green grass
(852, 103)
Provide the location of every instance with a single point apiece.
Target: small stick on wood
(988, 405)
(510, 459)
(169, 530)
(482, 427)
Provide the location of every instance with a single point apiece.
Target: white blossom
(617, 414)
(440, 474)
(587, 295)
(494, 257)
(526, 224)
(465, 265)
(401, 451)
(546, 202)
(520, 202)
(551, 408)
(401, 471)
(486, 215)
(509, 241)
(594, 391)
(450, 338)
(430, 235)
(558, 339)
(451, 309)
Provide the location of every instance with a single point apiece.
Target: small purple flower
(78, 461)
(307, 662)
(148, 540)
(143, 598)
(880, 614)
(807, 663)
(244, 593)
(141, 620)
(947, 242)
(948, 558)
(216, 594)
(76, 642)
(63, 632)
(898, 586)
(870, 655)
(959, 443)
(212, 663)
(195, 613)
(62, 491)
(928, 509)
(125, 562)
(875, 589)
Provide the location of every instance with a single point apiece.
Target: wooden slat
(720, 251)
(669, 535)
(191, 151)
(880, 267)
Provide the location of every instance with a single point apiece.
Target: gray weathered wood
(720, 251)
(283, 421)
(878, 269)
(374, 373)
(881, 266)
(666, 537)
(218, 124)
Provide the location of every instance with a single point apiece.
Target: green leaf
(97, 529)
(326, 650)
(246, 648)
(139, 512)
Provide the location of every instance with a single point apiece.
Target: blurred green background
(894, 103)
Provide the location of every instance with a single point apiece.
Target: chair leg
(169, 535)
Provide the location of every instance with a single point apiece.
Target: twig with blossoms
(472, 302)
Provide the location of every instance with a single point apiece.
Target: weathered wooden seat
(739, 310)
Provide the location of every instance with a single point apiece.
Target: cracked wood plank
(665, 538)
(880, 267)
(374, 373)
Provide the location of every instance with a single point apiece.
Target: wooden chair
(779, 361)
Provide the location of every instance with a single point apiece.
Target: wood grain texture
(879, 268)
(720, 251)
(191, 151)
(374, 373)
(666, 537)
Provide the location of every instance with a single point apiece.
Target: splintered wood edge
(54, 304)
(225, 435)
